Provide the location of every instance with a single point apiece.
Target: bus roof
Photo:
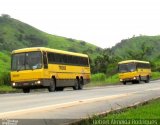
(48, 50)
(135, 61)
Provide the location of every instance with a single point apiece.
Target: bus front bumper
(129, 79)
(31, 84)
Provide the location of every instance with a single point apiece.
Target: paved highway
(70, 105)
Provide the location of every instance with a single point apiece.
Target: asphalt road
(70, 105)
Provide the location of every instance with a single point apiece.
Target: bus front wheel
(52, 86)
(139, 79)
(124, 82)
(147, 79)
(26, 90)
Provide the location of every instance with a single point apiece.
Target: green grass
(149, 110)
(155, 75)
(100, 79)
(112, 79)
(7, 89)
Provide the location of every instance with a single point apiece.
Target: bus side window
(45, 60)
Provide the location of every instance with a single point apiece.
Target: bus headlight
(13, 84)
(38, 82)
(121, 80)
(134, 78)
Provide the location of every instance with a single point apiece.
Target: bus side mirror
(45, 60)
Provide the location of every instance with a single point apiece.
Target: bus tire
(52, 86)
(147, 79)
(59, 88)
(80, 85)
(76, 84)
(26, 90)
(124, 82)
(139, 79)
(134, 82)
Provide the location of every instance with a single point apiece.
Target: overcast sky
(100, 22)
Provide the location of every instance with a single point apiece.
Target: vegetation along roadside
(139, 113)
(15, 34)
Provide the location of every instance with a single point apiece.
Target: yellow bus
(134, 71)
(41, 67)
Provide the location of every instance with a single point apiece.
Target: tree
(6, 16)
(141, 53)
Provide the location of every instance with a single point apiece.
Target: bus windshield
(26, 61)
(127, 67)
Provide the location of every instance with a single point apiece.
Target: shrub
(155, 75)
(112, 79)
(5, 78)
(98, 77)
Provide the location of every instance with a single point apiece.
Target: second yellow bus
(134, 71)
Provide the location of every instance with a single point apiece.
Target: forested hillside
(15, 34)
(140, 48)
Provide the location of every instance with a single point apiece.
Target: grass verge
(155, 75)
(145, 111)
(101, 79)
(7, 89)
(150, 110)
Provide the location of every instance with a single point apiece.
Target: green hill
(15, 34)
(141, 48)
